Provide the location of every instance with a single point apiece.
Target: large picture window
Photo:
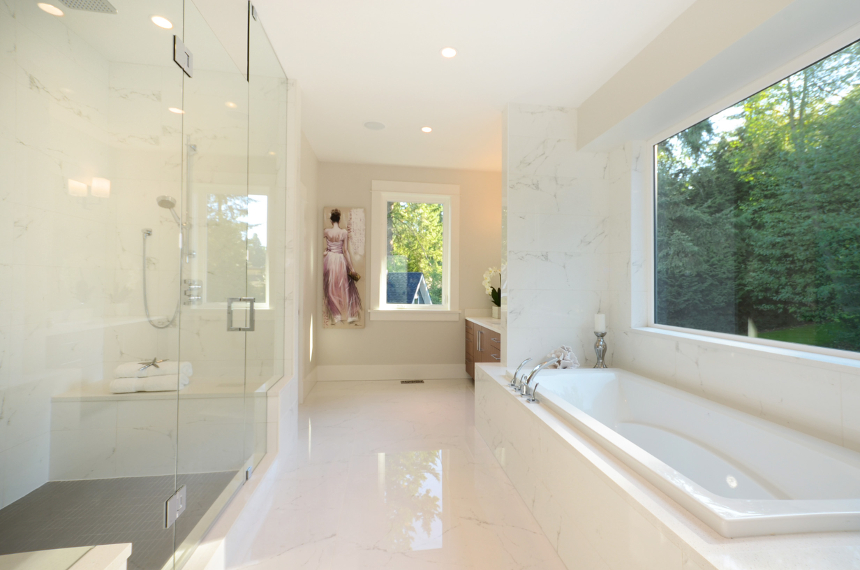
(758, 213)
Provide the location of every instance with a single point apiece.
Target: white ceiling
(379, 60)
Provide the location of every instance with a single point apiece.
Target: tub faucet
(534, 394)
(515, 381)
(525, 385)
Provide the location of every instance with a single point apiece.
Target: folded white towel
(166, 368)
(153, 384)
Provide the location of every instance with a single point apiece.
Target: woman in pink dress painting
(341, 295)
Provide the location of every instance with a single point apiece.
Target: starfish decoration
(147, 364)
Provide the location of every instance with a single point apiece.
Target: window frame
(644, 308)
(382, 193)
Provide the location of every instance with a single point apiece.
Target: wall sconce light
(77, 188)
(101, 187)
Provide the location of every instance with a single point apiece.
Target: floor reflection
(413, 485)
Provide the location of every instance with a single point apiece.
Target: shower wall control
(193, 292)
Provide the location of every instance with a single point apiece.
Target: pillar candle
(600, 323)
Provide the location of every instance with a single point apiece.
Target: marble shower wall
(70, 260)
(556, 235)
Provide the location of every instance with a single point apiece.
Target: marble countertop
(494, 325)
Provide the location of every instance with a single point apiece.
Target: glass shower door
(211, 411)
(267, 142)
(90, 173)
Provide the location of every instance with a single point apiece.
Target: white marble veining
(556, 236)
(599, 514)
(386, 475)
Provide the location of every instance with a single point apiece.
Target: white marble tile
(26, 467)
(83, 454)
(342, 500)
(543, 270)
(145, 451)
(73, 415)
(206, 447)
(542, 308)
(556, 232)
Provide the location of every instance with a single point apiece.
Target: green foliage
(415, 234)
(758, 212)
(235, 265)
(412, 505)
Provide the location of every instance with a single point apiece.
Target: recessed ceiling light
(449, 52)
(231, 104)
(374, 125)
(426, 129)
(162, 22)
(50, 9)
(175, 110)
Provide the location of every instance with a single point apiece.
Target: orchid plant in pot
(494, 293)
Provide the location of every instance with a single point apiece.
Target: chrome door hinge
(248, 472)
(254, 12)
(174, 507)
(183, 56)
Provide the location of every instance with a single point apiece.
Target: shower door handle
(250, 301)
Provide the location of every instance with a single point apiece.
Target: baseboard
(308, 383)
(336, 373)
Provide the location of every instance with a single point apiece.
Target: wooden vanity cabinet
(482, 345)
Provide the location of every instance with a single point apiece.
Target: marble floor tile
(387, 475)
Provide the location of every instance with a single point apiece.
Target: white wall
(311, 284)
(405, 348)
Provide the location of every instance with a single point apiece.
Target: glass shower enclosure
(142, 271)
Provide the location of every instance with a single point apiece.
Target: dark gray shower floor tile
(62, 514)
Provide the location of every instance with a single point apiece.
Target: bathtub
(739, 474)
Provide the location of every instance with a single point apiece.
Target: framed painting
(343, 267)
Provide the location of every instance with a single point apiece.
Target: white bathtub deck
(600, 515)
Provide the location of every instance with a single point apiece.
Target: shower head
(169, 203)
(102, 6)
(166, 202)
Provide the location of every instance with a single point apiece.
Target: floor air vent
(412, 381)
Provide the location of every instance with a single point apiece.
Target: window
(237, 261)
(757, 222)
(414, 250)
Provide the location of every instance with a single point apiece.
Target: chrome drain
(412, 381)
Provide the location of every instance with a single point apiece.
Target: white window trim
(384, 191)
(643, 321)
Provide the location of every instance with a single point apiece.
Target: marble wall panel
(556, 234)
